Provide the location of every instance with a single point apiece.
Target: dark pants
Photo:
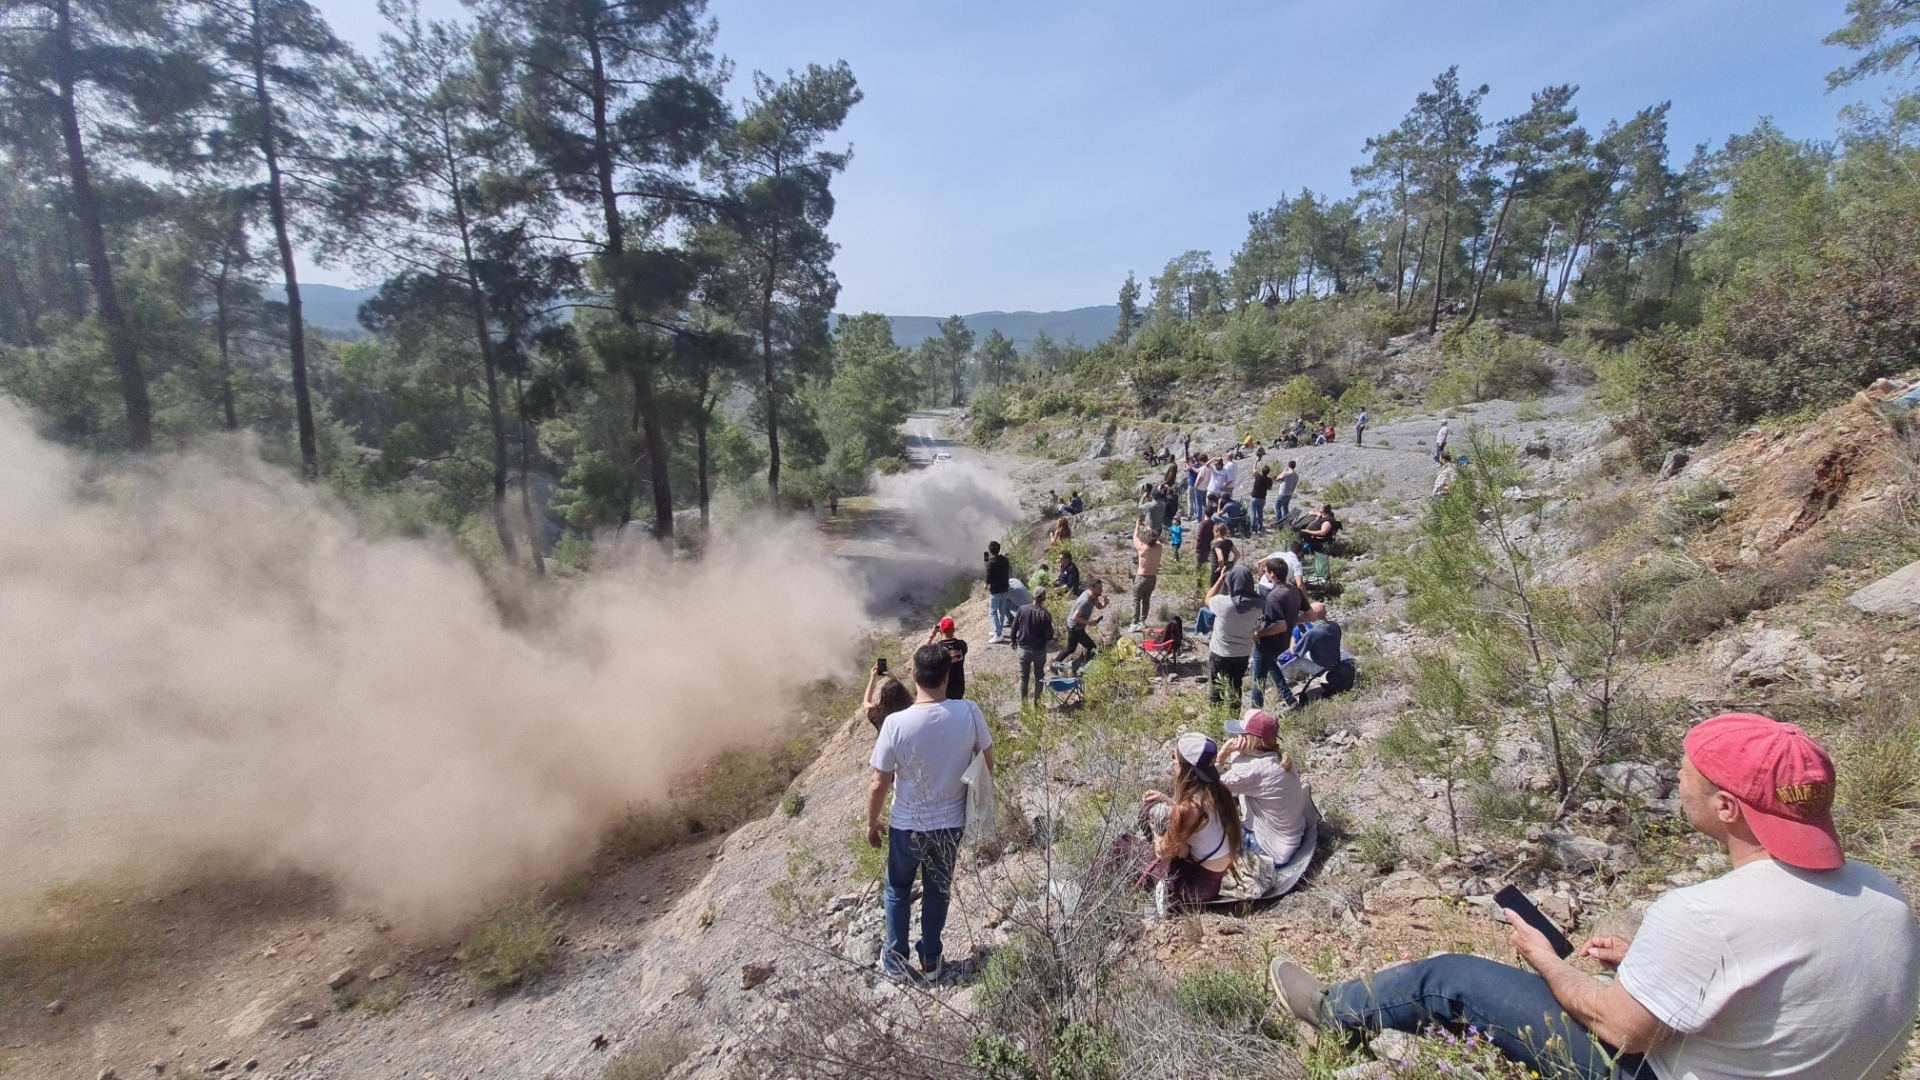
(1512, 1008)
(1268, 667)
(1033, 661)
(931, 855)
(1076, 639)
(1231, 668)
(1143, 595)
(1359, 436)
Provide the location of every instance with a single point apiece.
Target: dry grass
(513, 947)
(651, 1057)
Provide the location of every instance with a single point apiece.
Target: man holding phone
(1795, 963)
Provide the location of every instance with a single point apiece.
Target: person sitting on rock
(1273, 800)
(885, 696)
(1074, 504)
(1062, 532)
(1797, 962)
(1197, 831)
(1069, 579)
(1316, 651)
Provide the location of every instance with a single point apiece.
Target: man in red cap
(1795, 963)
(942, 635)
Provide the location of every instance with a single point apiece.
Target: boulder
(1896, 594)
(1675, 461)
(1762, 657)
(1400, 889)
(1634, 780)
(1582, 854)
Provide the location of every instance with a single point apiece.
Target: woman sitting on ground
(1270, 791)
(1200, 837)
(1062, 532)
(885, 696)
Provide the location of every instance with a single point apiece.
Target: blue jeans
(1000, 609)
(1195, 503)
(1259, 520)
(1514, 1009)
(1281, 508)
(1265, 667)
(931, 855)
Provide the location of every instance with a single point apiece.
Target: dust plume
(201, 658)
(953, 509)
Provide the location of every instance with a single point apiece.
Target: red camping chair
(1164, 644)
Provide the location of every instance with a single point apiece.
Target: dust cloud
(952, 509)
(204, 660)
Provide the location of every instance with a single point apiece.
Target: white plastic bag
(983, 806)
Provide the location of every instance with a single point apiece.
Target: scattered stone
(306, 1022)
(1896, 594)
(1538, 448)
(54, 1007)
(342, 977)
(1634, 779)
(599, 1042)
(107, 1074)
(382, 972)
(752, 975)
(1402, 888)
(1581, 854)
(1767, 656)
(156, 1064)
(269, 953)
(1673, 463)
(251, 1064)
(1396, 1047)
(219, 1064)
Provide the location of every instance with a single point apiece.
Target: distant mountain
(337, 311)
(327, 307)
(1087, 325)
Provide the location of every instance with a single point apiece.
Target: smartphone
(1512, 899)
(880, 666)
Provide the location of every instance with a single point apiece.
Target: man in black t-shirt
(942, 635)
(999, 604)
(1262, 483)
(1280, 616)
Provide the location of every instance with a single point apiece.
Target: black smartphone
(1512, 899)
(880, 666)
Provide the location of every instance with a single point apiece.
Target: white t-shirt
(1773, 971)
(1222, 481)
(1295, 570)
(1232, 632)
(1273, 803)
(927, 748)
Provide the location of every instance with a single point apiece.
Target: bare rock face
(1634, 780)
(1764, 657)
(1896, 594)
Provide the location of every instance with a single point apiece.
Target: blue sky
(1026, 156)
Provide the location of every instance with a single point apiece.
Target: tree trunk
(1493, 247)
(534, 535)
(701, 456)
(646, 405)
(86, 207)
(223, 333)
(1440, 270)
(1673, 280)
(1546, 266)
(1419, 261)
(277, 213)
(770, 386)
(1400, 263)
(483, 338)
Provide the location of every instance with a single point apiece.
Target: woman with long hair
(1201, 836)
(885, 696)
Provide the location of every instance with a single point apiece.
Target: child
(1174, 533)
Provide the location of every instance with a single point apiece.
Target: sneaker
(930, 972)
(1304, 995)
(1136, 628)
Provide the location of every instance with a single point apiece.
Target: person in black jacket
(1032, 637)
(1069, 578)
(999, 604)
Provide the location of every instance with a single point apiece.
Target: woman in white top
(1236, 608)
(1202, 836)
(1273, 800)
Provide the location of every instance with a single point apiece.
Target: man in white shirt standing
(920, 756)
(1795, 963)
(1220, 486)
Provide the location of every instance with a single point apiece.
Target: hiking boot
(1304, 995)
(930, 972)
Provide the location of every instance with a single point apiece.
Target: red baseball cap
(1781, 776)
(1259, 723)
(946, 625)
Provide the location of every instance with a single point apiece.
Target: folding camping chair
(1163, 644)
(1065, 693)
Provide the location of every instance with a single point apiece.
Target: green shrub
(652, 1056)
(512, 947)
(1483, 362)
(1234, 1001)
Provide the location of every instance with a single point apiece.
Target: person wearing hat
(1273, 801)
(942, 635)
(1201, 836)
(1797, 962)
